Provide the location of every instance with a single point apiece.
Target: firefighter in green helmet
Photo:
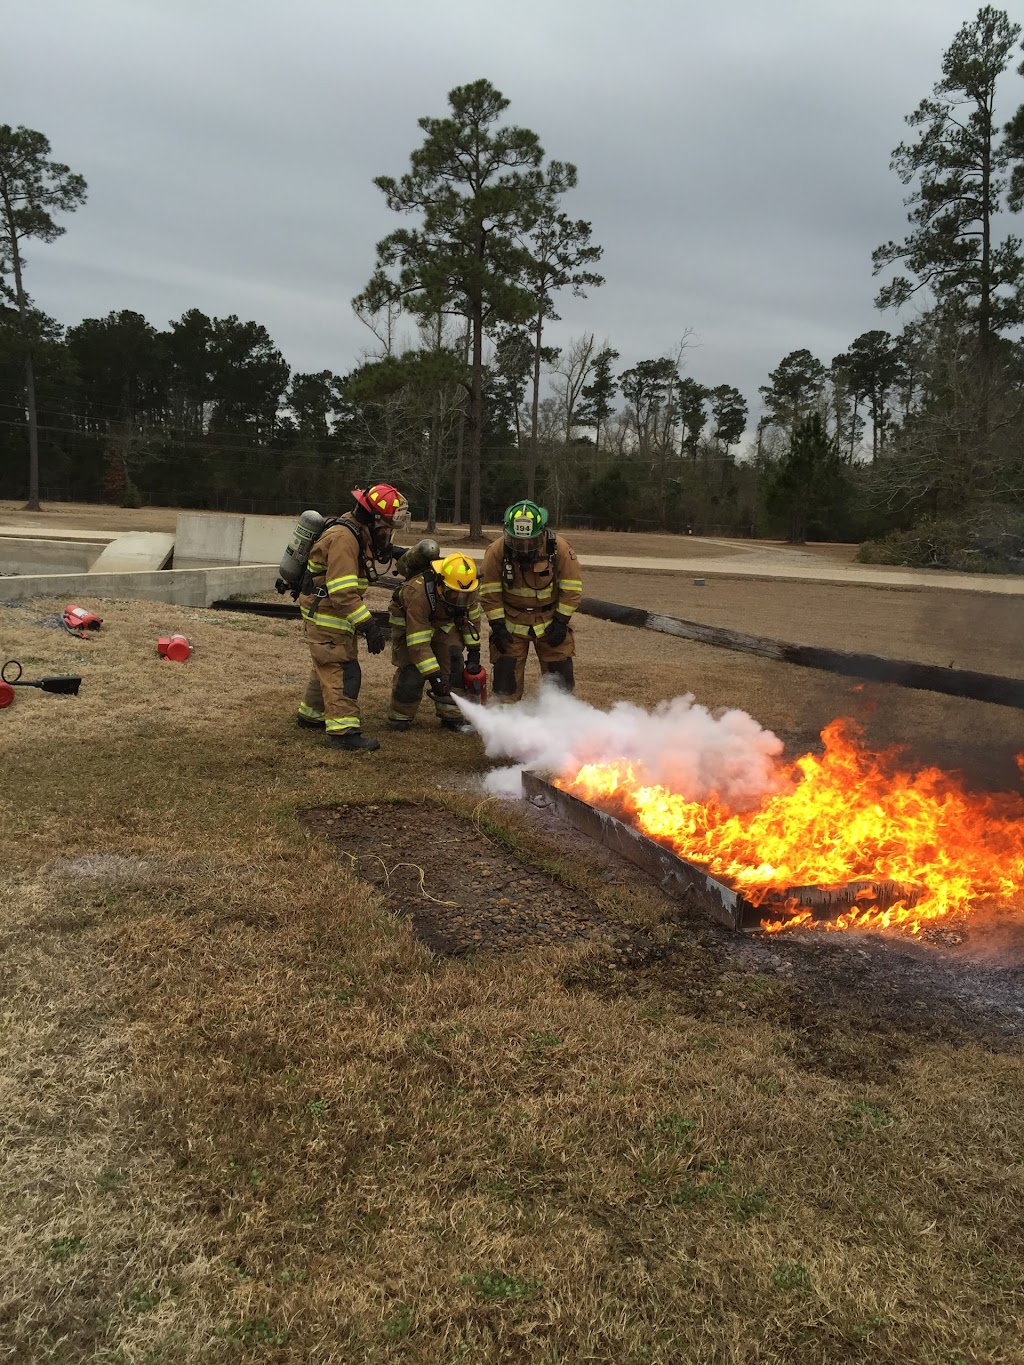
(530, 587)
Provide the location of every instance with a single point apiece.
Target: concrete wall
(264, 539)
(31, 556)
(185, 587)
(135, 552)
(208, 539)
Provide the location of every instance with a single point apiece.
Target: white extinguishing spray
(308, 528)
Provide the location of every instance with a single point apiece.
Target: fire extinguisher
(78, 621)
(475, 683)
(176, 647)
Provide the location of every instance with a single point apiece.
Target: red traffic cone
(176, 647)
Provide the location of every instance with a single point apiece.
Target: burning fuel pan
(677, 876)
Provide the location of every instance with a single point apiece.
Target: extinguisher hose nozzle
(66, 685)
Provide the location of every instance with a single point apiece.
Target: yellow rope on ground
(416, 868)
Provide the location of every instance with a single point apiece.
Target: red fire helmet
(384, 502)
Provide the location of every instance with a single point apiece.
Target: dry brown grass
(247, 1116)
(89, 516)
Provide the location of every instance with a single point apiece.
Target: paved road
(739, 561)
(760, 562)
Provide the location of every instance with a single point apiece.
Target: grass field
(247, 1116)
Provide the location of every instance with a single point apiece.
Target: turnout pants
(509, 669)
(333, 689)
(408, 683)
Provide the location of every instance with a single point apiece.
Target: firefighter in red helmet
(342, 564)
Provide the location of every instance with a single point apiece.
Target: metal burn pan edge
(677, 876)
(674, 874)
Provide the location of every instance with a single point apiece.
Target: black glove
(473, 659)
(558, 629)
(375, 637)
(438, 686)
(501, 636)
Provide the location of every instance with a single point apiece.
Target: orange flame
(846, 816)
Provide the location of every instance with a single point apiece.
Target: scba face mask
(525, 530)
(527, 548)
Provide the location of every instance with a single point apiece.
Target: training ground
(249, 1114)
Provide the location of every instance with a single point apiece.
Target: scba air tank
(414, 561)
(293, 562)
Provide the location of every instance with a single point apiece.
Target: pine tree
(32, 189)
(597, 396)
(477, 190)
(958, 162)
(809, 484)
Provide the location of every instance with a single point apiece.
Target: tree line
(460, 396)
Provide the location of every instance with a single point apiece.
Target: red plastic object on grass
(176, 647)
(6, 694)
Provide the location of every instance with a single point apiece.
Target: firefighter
(433, 616)
(532, 584)
(342, 564)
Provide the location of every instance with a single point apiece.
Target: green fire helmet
(524, 520)
(525, 526)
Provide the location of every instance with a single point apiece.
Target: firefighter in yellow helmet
(433, 617)
(342, 564)
(531, 586)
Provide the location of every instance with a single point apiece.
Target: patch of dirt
(463, 892)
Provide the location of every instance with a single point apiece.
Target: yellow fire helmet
(457, 576)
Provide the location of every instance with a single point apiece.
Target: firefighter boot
(399, 726)
(353, 740)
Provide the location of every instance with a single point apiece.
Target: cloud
(733, 159)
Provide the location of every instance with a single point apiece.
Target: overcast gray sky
(733, 157)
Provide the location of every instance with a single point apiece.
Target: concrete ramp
(135, 552)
